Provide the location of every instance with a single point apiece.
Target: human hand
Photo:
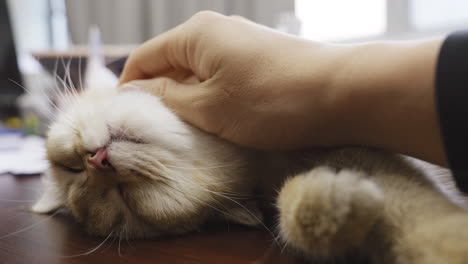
(260, 88)
(241, 81)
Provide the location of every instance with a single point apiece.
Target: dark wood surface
(29, 238)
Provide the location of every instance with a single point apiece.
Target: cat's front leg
(324, 213)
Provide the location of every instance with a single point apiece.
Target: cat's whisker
(64, 66)
(64, 96)
(70, 124)
(230, 164)
(120, 239)
(79, 73)
(187, 195)
(118, 248)
(91, 251)
(201, 168)
(68, 75)
(59, 91)
(227, 213)
(71, 86)
(126, 235)
(169, 172)
(67, 119)
(200, 201)
(30, 226)
(246, 209)
(46, 96)
(194, 153)
(169, 168)
(112, 242)
(150, 171)
(67, 88)
(234, 195)
(55, 87)
(49, 100)
(21, 86)
(285, 245)
(221, 195)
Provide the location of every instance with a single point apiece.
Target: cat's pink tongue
(99, 159)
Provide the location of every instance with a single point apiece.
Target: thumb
(180, 97)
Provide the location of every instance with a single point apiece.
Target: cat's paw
(324, 213)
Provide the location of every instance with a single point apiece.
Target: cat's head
(120, 161)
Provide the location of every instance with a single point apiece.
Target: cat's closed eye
(73, 170)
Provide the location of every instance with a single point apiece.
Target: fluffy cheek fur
(100, 211)
(177, 189)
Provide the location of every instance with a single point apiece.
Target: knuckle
(208, 25)
(239, 18)
(135, 56)
(206, 16)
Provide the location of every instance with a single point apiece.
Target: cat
(123, 163)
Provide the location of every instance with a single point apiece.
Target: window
(366, 20)
(434, 14)
(341, 19)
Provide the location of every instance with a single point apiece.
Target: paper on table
(28, 158)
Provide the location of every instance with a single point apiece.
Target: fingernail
(126, 87)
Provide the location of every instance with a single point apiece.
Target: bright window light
(333, 20)
(430, 14)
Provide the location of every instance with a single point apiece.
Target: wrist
(312, 76)
(387, 100)
(324, 85)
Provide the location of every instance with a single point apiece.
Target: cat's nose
(99, 158)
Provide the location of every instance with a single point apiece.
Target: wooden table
(37, 239)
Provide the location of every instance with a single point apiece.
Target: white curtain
(134, 21)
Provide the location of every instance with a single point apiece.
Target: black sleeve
(452, 103)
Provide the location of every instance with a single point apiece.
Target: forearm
(386, 98)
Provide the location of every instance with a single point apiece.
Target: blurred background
(43, 37)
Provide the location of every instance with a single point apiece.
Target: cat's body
(166, 177)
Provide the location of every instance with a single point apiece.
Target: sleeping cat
(123, 163)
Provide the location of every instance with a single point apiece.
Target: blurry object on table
(97, 73)
(9, 71)
(36, 106)
(29, 125)
(10, 139)
(75, 60)
(63, 72)
(21, 155)
(116, 66)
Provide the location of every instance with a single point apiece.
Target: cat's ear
(50, 201)
(247, 213)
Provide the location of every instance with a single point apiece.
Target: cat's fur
(168, 178)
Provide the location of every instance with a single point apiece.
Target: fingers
(151, 59)
(180, 97)
(172, 50)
